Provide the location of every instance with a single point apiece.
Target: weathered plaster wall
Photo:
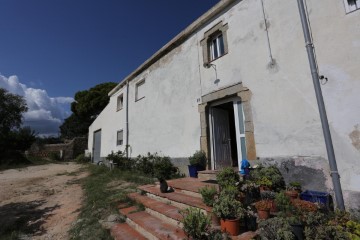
(284, 110)
(109, 121)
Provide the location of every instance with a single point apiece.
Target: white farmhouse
(236, 83)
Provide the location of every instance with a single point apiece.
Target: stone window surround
(219, 27)
(231, 91)
(348, 9)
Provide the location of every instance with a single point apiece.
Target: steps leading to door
(161, 218)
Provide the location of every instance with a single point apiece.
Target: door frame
(93, 150)
(235, 101)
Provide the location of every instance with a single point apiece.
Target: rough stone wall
(69, 150)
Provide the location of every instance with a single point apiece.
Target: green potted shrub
(263, 208)
(208, 195)
(195, 223)
(197, 163)
(229, 210)
(293, 189)
(272, 174)
(227, 177)
(275, 228)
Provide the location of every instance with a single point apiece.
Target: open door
(221, 137)
(227, 135)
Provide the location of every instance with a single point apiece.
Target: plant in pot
(272, 173)
(250, 218)
(270, 196)
(293, 189)
(250, 191)
(227, 177)
(208, 195)
(197, 163)
(195, 223)
(263, 208)
(264, 184)
(229, 210)
(275, 228)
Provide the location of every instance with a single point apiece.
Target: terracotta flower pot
(263, 214)
(293, 194)
(263, 188)
(231, 226)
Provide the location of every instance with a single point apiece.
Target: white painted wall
(284, 108)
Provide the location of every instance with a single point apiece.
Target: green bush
(81, 158)
(227, 206)
(208, 195)
(55, 156)
(198, 159)
(227, 177)
(275, 228)
(121, 160)
(163, 168)
(272, 174)
(195, 223)
(145, 164)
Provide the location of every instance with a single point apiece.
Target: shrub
(275, 228)
(163, 168)
(272, 174)
(227, 177)
(227, 206)
(145, 164)
(121, 160)
(81, 158)
(208, 195)
(196, 223)
(198, 159)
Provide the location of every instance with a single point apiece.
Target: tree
(87, 106)
(12, 107)
(14, 139)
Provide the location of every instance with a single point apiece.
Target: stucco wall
(284, 109)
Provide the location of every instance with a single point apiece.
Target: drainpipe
(127, 120)
(320, 101)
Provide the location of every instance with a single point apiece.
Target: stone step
(165, 212)
(190, 186)
(207, 175)
(151, 227)
(177, 198)
(123, 231)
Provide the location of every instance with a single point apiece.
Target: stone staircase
(161, 218)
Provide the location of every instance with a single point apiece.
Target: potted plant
(264, 184)
(197, 163)
(229, 210)
(293, 189)
(270, 196)
(250, 191)
(195, 223)
(272, 174)
(227, 177)
(208, 195)
(275, 228)
(263, 208)
(250, 218)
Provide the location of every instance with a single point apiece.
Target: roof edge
(176, 41)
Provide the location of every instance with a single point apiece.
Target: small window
(120, 102)
(119, 138)
(214, 43)
(351, 5)
(139, 90)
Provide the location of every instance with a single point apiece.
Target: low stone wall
(66, 151)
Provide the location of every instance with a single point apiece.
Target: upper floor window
(214, 43)
(217, 48)
(140, 90)
(351, 5)
(120, 102)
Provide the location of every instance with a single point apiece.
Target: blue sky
(50, 49)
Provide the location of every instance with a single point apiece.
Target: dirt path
(43, 200)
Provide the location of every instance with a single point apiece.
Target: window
(119, 138)
(351, 5)
(120, 102)
(217, 48)
(139, 90)
(214, 43)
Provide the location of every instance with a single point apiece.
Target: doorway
(97, 147)
(227, 133)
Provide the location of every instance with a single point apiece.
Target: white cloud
(45, 113)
